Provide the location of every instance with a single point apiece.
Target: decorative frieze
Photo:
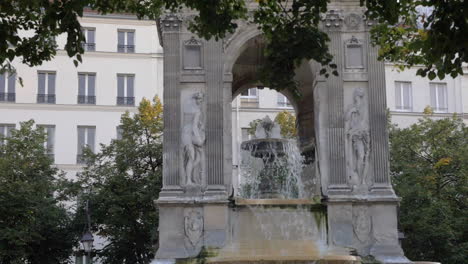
(332, 19)
(171, 23)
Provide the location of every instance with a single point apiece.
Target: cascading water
(271, 166)
(273, 220)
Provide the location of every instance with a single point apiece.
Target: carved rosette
(193, 226)
(353, 21)
(171, 22)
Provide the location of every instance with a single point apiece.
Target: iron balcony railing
(7, 97)
(89, 46)
(86, 99)
(46, 98)
(126, 48)
(126, 101)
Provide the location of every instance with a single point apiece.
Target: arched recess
(243, 59)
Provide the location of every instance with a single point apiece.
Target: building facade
(82, 105)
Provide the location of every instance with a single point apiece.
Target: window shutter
(50, 139)
(81, 139)
(442, 95)
(9, 129)
(398, 87)
(91, 84)
(120, 86)
(81, 84)
(130, 83)
(91, 138)
(130, 38)
(407, 96)
(51, 84)
(2, 83)
(11, 83)
(41, 83)
(433, 96)
(121, 41)
(90, 37)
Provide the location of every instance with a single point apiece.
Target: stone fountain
(277, 177)
(342, 134)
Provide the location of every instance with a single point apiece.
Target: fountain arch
(341, 118)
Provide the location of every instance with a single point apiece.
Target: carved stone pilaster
(379, 152)
(170, 25)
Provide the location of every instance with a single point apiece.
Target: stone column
(170, 26)
(337, 181)
(379, 152)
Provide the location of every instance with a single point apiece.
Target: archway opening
(253, 101)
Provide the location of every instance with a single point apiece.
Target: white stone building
(83, 105)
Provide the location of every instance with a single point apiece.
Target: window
(46, 88)
(5, 132)
(283, 101)
(125, 89)
(403, 96)
(86, 139)
(249, 98)
(86, 88)
(50, 140)
(439, 97)
(126, 41)
(119, 132)
(7, 87)
(90, 43)
(250, 93)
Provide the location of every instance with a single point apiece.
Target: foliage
(436, 39)
(291, 30)
(122, 181)
(429, 166)
(287, 122)
(35, 227)
(253, 126)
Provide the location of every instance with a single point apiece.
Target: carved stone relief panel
(354, 54)
(362, 223)
(193, 227)
(193, 54)
(357, 141)
(193, 139)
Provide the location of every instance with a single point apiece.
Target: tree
(287, 122)
(429, 167)
(290, 27)
(121, 183)
(35, 227)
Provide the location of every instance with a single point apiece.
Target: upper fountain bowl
(266, 147)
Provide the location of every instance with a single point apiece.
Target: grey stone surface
(341, 127)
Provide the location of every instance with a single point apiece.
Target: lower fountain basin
(279, 231)
(280, 251)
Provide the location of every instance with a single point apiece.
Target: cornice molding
(67, 107)
(108, 54)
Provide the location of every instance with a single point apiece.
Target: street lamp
(87, 239)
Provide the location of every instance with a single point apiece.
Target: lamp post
(87, 239)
